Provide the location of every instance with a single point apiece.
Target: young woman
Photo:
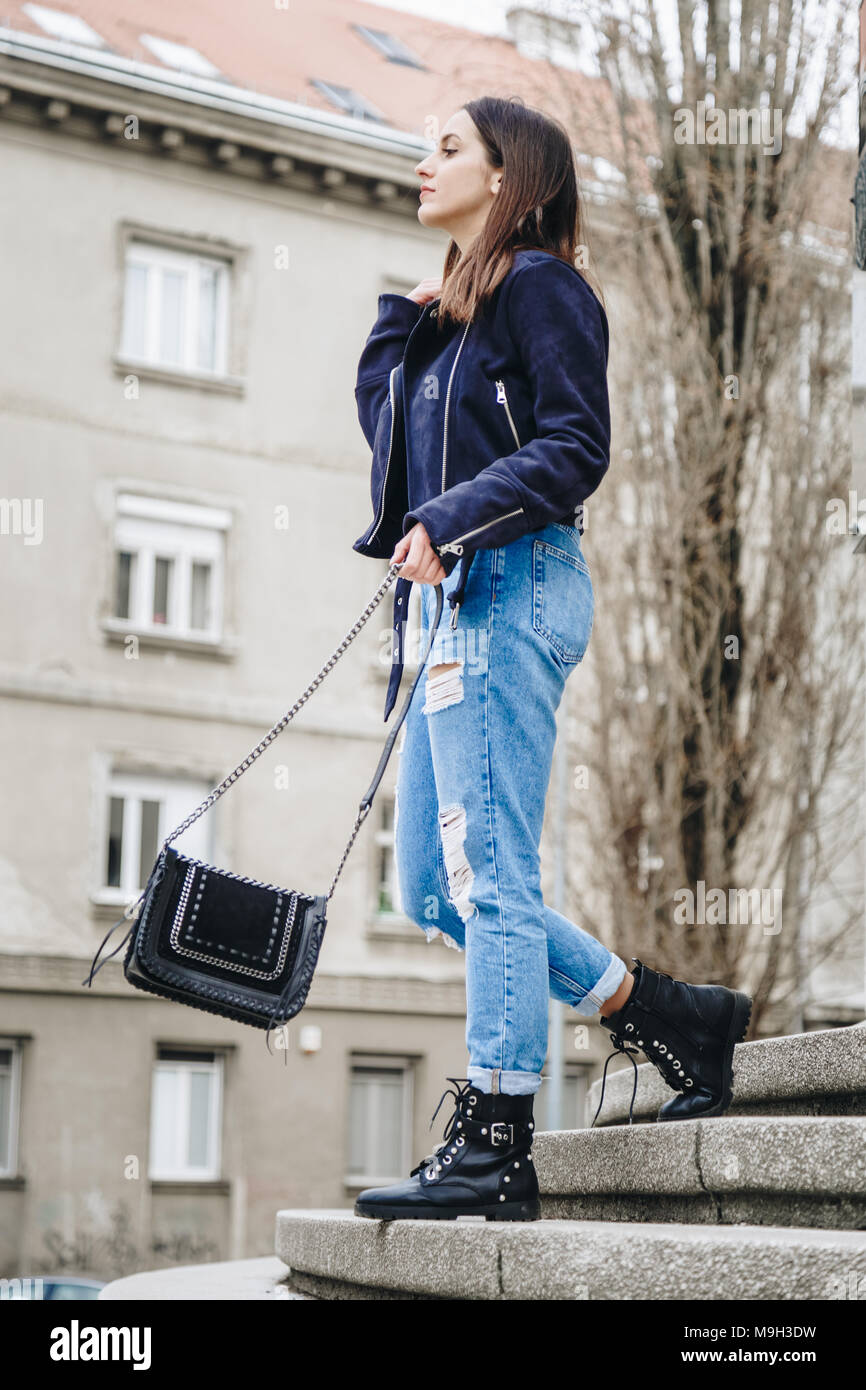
(484, 400)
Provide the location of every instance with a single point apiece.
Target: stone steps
(777, 1171)
(336, 1255)
(820, 1073)
(765, 1202)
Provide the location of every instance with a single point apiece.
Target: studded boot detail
(484, 1167)
(688, 1032)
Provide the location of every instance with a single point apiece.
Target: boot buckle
(506, 1138)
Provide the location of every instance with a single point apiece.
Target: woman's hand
(427, 290)
(422, 564)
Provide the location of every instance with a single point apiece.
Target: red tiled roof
(276, 52)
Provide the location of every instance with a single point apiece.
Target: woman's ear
(496, 182)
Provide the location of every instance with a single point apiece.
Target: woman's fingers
(401, 548)
(426, 290)
(421, 563)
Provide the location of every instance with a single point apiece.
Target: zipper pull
(500, 392)
(452, 547)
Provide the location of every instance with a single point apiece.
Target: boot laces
(668, 1067)
(619, 1045)
(460, 1096)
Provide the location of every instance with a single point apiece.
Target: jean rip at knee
(452, 828)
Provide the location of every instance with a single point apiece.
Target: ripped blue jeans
(475, 762)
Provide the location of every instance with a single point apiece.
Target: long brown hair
(538, 204)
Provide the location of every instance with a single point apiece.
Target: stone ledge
(824, 1071)
(793, 1154)
(345, 1256)
(230, 1280)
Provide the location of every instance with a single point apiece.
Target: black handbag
(231, 945)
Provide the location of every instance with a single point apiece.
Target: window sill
(109, 902)
(10, 1183)
(118, 630)
(192, 1186)
(393, 926)
(356, 1184)
(179, 376)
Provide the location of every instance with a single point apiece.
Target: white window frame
(333, 92)
(180, 56)
(151, 527)
(370, 1063)
(155, 259)
(390, 47)
(67, 28)
(177, 797)
(384, 838)
(9, 1160)
(177, 1171)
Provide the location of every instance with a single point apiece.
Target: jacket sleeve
(561, 333)
(382, 351)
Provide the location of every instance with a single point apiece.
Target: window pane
(125, 568)
(389, 1129)
(163, 1148)
(5, 1117)
(376, 1101)
(149, 838)
(358, 1125)
(385, 897)
(207, 316)
(115, 840)
(199, 1106)
(135, 302)
(200, 590)
(161, 588)
(172, 317)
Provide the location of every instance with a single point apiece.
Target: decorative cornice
(205, 123)
(364, 993)
(256, 713)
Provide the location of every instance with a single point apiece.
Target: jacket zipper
(457, 549)
(503, 400)
(378, 522)
(447, 398)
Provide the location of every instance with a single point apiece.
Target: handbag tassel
(130, 912)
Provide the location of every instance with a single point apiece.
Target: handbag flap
(225, 926)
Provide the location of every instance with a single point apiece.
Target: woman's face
(458, 182)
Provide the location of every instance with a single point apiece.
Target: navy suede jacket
(525, 435)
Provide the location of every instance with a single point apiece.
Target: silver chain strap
(290, 714)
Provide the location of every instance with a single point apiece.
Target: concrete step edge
(234, 1281)
(347, 1256)
(800, 1067)
(803, 1155)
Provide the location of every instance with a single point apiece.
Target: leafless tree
(726, 722)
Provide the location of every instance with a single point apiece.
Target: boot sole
(737, 1028)
(502, 1211)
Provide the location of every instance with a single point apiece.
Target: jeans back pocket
(562, 598)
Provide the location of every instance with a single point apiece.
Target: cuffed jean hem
(603, 989)
(509, 1083)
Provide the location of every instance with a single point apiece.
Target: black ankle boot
(484, 1167)
(688, 1032)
